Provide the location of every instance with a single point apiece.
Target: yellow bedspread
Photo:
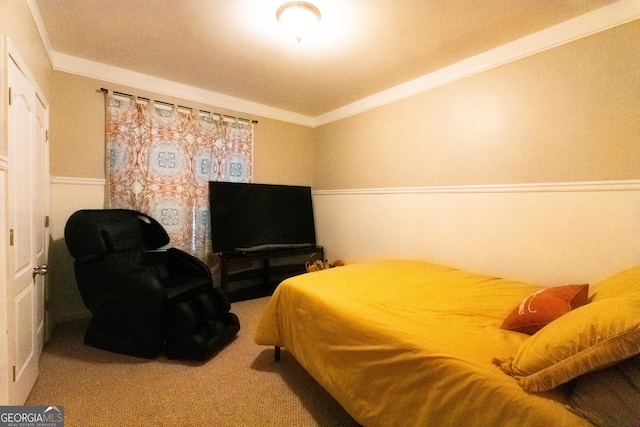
(408, 343)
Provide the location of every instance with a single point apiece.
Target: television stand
(266, 271)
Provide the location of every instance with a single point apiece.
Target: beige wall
(529, 170)
(283, 152)
(567, 114)
(17, 22)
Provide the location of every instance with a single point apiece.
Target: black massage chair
(145, 299)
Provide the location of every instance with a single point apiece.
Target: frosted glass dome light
(298, 18)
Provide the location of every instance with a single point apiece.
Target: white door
(28, 234)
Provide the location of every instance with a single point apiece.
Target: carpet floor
(241, 386)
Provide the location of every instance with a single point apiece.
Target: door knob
(41, 270)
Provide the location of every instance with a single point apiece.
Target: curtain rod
(179, 106)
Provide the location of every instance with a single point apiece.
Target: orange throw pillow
(542, 307)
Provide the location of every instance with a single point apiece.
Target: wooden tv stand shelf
(266, 271)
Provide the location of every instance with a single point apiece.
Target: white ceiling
(235, 50)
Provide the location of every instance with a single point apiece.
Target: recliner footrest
(196, 330)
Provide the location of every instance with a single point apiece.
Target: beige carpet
(241, 386)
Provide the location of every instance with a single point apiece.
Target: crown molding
(42, 30)
(602, 19)
(108, 73)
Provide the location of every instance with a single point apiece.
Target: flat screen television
(252, 217)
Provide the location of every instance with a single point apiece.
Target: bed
(404, 342)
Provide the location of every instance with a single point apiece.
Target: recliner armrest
(155, 257)
(181, 263)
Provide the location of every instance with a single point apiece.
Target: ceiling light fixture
(299, 18)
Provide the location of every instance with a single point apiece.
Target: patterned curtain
(160, 160)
